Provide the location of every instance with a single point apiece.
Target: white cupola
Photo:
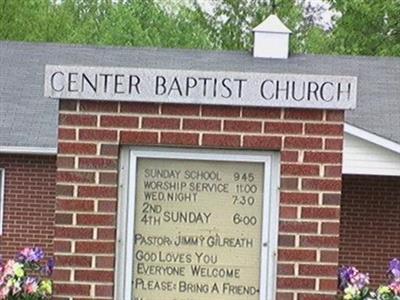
(271, 39)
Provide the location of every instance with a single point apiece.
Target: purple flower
(394, 268)
(31, 255)
(351, 277)
(345, 275)
(49, 267)
(360, 280)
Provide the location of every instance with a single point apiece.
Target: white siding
(363, 157)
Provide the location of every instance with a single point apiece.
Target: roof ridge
(214, 51)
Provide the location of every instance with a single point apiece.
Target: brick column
(90, 134)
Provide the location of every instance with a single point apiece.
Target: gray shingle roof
(29, 119)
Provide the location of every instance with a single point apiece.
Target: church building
(168, 174)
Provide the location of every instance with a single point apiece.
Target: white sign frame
(126, 210)
(200, 87)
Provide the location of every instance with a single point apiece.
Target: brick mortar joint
(236, 110)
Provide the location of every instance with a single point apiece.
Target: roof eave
(371, 137)
(28, 150)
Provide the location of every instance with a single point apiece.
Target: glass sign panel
(198, 227)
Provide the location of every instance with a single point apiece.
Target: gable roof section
(366, 153)
(372, 138)
(28, 120)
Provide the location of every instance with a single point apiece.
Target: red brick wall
(29, 203)
(90, 134)
(370, 229)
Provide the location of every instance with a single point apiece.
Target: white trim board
(28, 150)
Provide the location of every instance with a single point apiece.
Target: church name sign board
(201, 87)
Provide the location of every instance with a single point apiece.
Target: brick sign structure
(92, 134)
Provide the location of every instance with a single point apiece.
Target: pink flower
(22, 277)
(395, 287)
(31, 255)
(9, 268)
(4, 292)
(31, 285)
